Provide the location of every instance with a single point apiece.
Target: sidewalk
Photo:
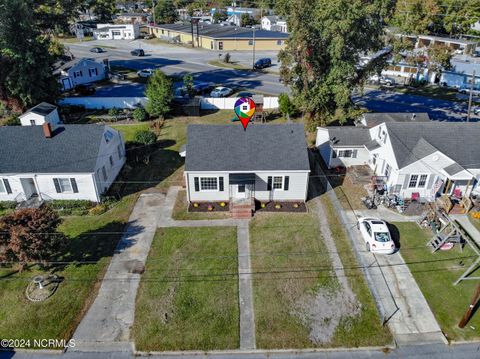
(106, 326)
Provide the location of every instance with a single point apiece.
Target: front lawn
(181, 213)
(92, 239)
(435, 274)
(188, 296)
(288, 261)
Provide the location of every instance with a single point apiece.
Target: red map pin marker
(245, 109)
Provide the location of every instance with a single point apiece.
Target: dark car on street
(262, 63)
(97, 50)
(137, 52)
(85, 90)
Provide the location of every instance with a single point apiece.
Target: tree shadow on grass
(91, 246)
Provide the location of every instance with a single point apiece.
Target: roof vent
(47, 130)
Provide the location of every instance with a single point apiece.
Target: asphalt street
(177, 60)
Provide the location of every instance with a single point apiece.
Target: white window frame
(282, 183)
(419, 177)
(423, 178)
(62, 185)
(208, 189)
(33, 123)
(2, 186)
(413, 184)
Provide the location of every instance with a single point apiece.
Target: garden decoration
(42, 287)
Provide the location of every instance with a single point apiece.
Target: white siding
(46, 188)
(52, 118)
(298, 184)
(91, 71)
(361, 157)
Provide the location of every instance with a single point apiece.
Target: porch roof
(241, 178)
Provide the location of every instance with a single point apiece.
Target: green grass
(180, 210)
(188, 296)
(230, 65)
(366, 329)
(435, 274)
(282, 282)
(58, 316)
(128, 131)
(475, 222)
(73, 40)
(442, 93)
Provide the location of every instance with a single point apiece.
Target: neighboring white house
(461, 73)
(78, 72)
(429, 158)
(116, 32)
(234, 19)
(274, 23)
(264, 162)
(41, 113)
(371, 119)
(68, 162)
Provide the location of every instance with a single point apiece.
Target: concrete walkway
(399, 300)
(468, 226)
(106, 326)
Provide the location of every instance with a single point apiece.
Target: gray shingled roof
(457, 140)
(453, 169)
(373, 119)
(42, 109)
(260, 148)
(223, 32)
(347, 136)
(72, 149)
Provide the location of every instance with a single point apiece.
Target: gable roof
(72, 149)
(260, 148)
(373, 119)
(457, 140)
(348, 136)
(42, 109)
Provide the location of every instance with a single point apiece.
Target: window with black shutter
(74, 185)
(7, 186)
(269, 183)
(197, 184)
(57, 185)
(220, 182)
(286, 183)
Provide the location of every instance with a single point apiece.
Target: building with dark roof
(264, 162)
(371, 119)
(428, 158)
(39, 114)
(59, 162)
(219, 37)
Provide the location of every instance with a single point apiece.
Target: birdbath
(38, 280)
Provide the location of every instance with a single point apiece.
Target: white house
(264, 162)
(234, 19)
(68, 162)
(78, 72)
(428, 158)
(116, 32)
(41, 113)
(461, 73)
(274, 23)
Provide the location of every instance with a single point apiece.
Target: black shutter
(269, 183)
(220, 180)
(57, 185)
(287, 183)
(74, 185)
(334, 154)
(7, 186)
(197, 185)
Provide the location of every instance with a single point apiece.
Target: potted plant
(278, 206)
(196, 205)
(295, 205)
(210, 207)
(263, 205)
(222, 204)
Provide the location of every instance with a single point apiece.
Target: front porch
(242, 194)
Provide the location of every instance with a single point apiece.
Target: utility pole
(154, 2)
(253, 57)
(469, 312)
(471, 96)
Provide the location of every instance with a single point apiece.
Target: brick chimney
(47, 130)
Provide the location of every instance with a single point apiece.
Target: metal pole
(471, 96)
(193, 39)
(153, 6)
(253, 57)
(469, 312)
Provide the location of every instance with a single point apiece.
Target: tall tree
(26, 77)
(165, 12)
(103, 9)
(53, 16)
(320, 60)
(460, 15)
(418, 16)
(159, 94)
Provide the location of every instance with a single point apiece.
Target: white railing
(99, 103)
(227, 103)
(20, 197)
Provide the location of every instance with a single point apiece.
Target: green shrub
(140, 115)
(62, 204)
(12, 121)
(7, 205)
(145, 137)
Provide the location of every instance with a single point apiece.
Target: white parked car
(376, 235)
(145, 72)
(467, 89)
(382, 80)
(221, 92)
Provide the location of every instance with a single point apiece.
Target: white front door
(240, 191)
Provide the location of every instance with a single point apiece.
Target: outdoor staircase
(33, 202)
(241, 210)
